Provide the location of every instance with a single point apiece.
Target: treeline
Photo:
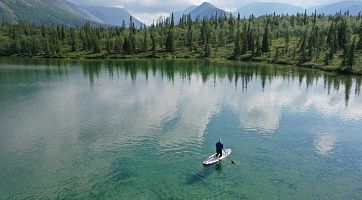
(314, 40)
(240, 74)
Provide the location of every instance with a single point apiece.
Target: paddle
(230, 158)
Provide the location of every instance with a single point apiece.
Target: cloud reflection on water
(194, 90)
(258, 103)
(79, 122)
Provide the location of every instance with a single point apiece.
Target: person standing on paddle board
(219, 148)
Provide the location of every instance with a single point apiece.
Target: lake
(140, 129)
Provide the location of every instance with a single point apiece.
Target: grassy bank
(220, 54)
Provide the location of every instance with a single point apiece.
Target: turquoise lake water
(140, 130)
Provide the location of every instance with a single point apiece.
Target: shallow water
(141, 129)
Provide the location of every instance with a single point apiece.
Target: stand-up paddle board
(213, 159)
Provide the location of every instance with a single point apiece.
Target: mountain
(262, 8)
(112, 15)
(178, 14)
(45, 12)
(354, 7)
(207, 10)
(53, 12)
(204, 10)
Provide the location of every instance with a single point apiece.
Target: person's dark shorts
(219, 152)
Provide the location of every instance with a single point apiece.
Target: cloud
(149, 10)
(262, 110)
(149, 18)
(154, 6)
(149, 6)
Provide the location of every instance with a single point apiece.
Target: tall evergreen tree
(258, 48)
(265, 42)
(302, 50)
(349, 57)
(153, 39)
(172, 21)
(203, 31)
(170, 46)
(207, 49)
(123, 27)
(127, 45)
(145, 40)
(237, 48)
(359, 45)
(109, 45)
(74, 41)
(131, 24)
(96, 44)
(190, 37)
(343, 33)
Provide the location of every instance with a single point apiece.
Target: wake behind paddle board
(213, 159)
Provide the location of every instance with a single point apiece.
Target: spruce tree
(131, 24)
(203, 32)
(123, 27)
(132, 42)
(172, 21)
(349, 57)
(127, 46)
(343, 33)
(359, 45)
(170, 46)
(330, 37)
(46, 47)
(265, 42)
(109, 46)
(145, 40)
(302, 50)
(237, 48)
(74, 42)
(207, 49)
(190, 37)
(258, 48)
(96, 44)
(153, 39)
(244, 40)
(118, 44)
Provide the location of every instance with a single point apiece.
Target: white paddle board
(213, 159)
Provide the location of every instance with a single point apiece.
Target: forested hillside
(112, 15)
(328, 42)
(45, 12)
(62, 12)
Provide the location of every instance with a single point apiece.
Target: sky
(149, 10)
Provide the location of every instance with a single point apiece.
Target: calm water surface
(141, 129)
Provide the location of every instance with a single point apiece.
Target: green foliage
(237, 49)
(145, 40)
(359, 45)
(299, 39)
(265, 43)
(348, 57)
(170, 41)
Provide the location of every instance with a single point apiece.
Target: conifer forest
(332, 43)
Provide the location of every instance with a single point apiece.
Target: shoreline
(329, 69)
